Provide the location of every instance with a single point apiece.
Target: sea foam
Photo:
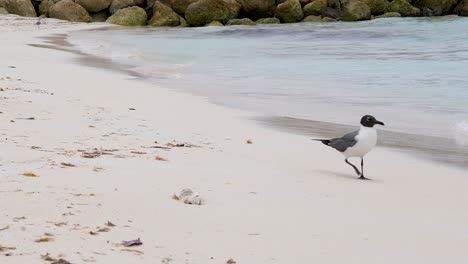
(460, 133)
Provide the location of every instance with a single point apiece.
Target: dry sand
(283, 199)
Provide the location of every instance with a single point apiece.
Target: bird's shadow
(348, 176)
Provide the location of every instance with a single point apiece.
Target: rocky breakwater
(181, 13)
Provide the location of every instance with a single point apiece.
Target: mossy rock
(69, 10)
(240, 22)
(203, 12)
(164, 16)
(315, 8)
(377, 7)
(130, 16)
(355, 11)
(403, 7)
(94, 6)
(268, 20)
(437, 7)
(289, 11)
(215, 24)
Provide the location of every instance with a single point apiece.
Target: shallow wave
(460, 133)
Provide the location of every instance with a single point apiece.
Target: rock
(256, 9)
(130, 16)
(234, 7)
(355, 11)
(312, 19)
(164, 16)
(3, 11)
(69, 10)
(335, 4)
(215, 24)
(20, 7)
(45, 5)
(331, 13)
(180, 6)
(203, 12)
(305, 2)
(389, 14)
(289, 12)
(120, 4)
(438, 7)
(403, 7)
(377, 6)
(183, 23)
(240, 21)
(328, 19)
(99, 17)
(462, 8)
(315, 8)
(94, 6)
(268, 20)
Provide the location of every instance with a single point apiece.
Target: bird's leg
(354, 167)
(362, 170)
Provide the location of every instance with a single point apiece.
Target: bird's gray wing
(343, 143)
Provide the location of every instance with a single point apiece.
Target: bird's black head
(370, 121)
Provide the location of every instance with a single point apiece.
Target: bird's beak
(379, 123)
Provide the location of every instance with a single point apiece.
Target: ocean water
(411, 73)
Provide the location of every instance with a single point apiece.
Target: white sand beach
(91, 136)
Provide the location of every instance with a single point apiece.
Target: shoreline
(433, 148)
(281, 199)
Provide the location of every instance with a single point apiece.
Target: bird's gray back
(343, 143)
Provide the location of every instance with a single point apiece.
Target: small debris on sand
(3, 249)
(5, 228)
(29, 174)
(187, 196)
(65, 164)
(110, 224)
(249, 141)
(231, 261)
(132, 243)
(44, 240)
(160, 158)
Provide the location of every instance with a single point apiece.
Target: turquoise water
(411, 73)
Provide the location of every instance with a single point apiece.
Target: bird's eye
(368, 119)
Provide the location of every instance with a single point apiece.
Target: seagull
(357, 143)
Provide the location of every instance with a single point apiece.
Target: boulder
(304, 2)
(99, 17)
(94, 6)
(256, 9)
(331, 13)
(328, 19)
(312, 19)
(268, 20)
(335, 4)
(289, 12)
(45, 5)
(377, 6)
(403, 7)
(355, 11)
(120, 4)
(389, 14)
(3, 11)
(20, 7)
(234, 7)
(315, 8)
(462, 8)
(130, 16)
(164, 16)
(438, 7)
(69, 10)
(203, 12)
(180, 6)
(215, 24)
(240, 21)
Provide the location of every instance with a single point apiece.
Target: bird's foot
(363, 178)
